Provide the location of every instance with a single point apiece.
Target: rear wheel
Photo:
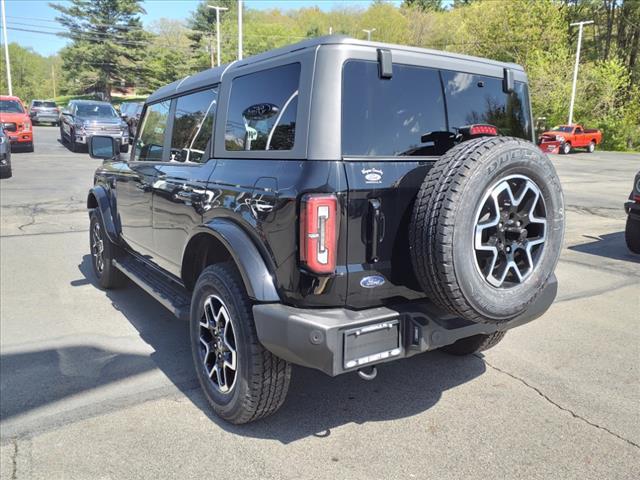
(592, 147)
(487, 228)
(475, 344)
(632, 234)
(241, 380)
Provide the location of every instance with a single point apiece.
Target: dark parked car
(329, 204)
(84, 118)
(130, 113)
(5, 155)
(632, 207)
(44, 111)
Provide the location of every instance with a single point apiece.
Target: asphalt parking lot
(99, 385)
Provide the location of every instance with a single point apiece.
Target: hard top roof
(89, 102)
(214, 75)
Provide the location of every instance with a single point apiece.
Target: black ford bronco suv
(335, 204)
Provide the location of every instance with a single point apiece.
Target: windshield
(96, 110)
(562, 128)
(10, 106)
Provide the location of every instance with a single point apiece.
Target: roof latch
(385, 63)
(507, 81)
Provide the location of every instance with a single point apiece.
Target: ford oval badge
(372, 281)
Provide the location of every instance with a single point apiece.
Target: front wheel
(102, 254)
(632, 234)
(241, 380)
(566, 148)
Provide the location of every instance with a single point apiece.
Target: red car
(15, 121)
(564, 138)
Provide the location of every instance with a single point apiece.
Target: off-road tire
(441, 232)
(474, 344)
(109, 277)
(632, 234)
(262, 379)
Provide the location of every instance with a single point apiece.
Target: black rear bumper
(338, 340)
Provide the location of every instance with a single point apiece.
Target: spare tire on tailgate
(487, 228)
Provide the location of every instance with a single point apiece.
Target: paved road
(98, 385)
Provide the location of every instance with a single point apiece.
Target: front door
(135, 182)
(180, 195)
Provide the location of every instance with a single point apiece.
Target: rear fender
(99, 199)
(255, 273)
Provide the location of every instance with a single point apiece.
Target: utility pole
(53, 79)
(575, 68)
(369, 32)
(217, 9)
(239, 29)
(6, 48)
(211, 50)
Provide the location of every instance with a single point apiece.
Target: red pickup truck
(563, 138)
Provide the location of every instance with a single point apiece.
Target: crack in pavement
(14, 460)
(557, 405)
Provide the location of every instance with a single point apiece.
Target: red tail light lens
(319, 232)
(483, 130)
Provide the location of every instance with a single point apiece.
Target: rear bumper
(45, 117)
(321, 338)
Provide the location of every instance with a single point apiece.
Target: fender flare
(104, 207)
(256, 276)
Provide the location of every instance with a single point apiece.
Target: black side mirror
(103, 147)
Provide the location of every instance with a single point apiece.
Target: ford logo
(372, 281)
(373, 177)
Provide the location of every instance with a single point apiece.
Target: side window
(400, 116)
(150, 142)
(262, 110)
(479, 99)
(193, 126)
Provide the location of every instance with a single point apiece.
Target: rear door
(180, 190)
(393, 130)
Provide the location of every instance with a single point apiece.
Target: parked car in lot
(130, 113)
(5, 155)
(16, 123)
(632, 207)
(328, 204)
(564, 138)
(84, 118)
(44, 111)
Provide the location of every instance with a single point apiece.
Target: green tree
(107, 43)
(165, 59)
(31, 73)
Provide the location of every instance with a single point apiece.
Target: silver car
(44, 111)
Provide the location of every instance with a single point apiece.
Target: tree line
(110, 50)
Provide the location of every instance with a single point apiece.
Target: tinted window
(95, 110)
(49, 104)
(391, 117)
(10, 106)
(36, 103)
(150, 142)
(479, 99)
(193, 126)
(262, 110)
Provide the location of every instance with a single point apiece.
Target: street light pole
(369, 32)
(575, 68)
(6, 48)
(217, 9)
(239, 29)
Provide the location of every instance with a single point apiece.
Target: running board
(172, 296)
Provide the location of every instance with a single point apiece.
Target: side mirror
(103, 147)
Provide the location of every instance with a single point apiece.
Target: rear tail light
(483, 130)
(319, 232)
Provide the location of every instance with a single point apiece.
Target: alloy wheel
(510, 231)
(218, 352)
(97, 247)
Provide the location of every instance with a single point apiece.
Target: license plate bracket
(371, 343)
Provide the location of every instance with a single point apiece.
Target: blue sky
(38, 15)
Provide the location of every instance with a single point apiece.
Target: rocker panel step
(172, 296)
